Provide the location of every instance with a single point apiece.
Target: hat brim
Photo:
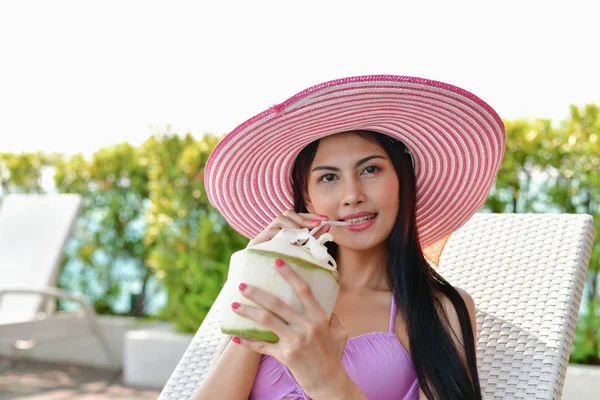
(456, 140)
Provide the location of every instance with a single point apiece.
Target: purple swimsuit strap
(393, 315)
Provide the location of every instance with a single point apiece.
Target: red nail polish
(315, 221)
(242, 286)
(279, 262)
(324, 216)
(235, 305)
(236, 339)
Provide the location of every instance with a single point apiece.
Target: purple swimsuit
(376, 361)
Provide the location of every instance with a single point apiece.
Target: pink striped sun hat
(456, 141)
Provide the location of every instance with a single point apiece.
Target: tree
(518, 186)
(110, 231)
(190, 240)
(575, 188)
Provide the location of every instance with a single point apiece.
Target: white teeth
(356, 221)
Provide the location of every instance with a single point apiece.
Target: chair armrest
(47, 292)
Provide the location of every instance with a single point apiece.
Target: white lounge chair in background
(526, 273)
(33, 233)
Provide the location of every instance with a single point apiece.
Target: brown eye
(323, 178)
(374, 167)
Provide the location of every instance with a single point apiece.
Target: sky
(79, 75)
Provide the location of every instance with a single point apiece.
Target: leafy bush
(146, 208)
(191, 242)
(145, 218)
(110, 231)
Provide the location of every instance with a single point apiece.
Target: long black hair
(415, 285)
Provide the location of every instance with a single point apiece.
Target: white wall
(87, 350)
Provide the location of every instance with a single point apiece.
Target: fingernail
(236, 339)
(279, 262)
(235, 305)
(324, 216)
(242, 286)
(315, 221)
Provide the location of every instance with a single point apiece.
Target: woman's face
(352, 174)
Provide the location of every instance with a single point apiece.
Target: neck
(362, 270)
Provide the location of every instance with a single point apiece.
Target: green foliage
(556, 169)
(21, 173)
(110, 232)
(526, 158)
(576, 189)
(587, 332)
(146, 207)
(191, 242)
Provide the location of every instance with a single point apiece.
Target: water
(127, 273)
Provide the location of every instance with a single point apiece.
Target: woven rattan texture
(526, 273)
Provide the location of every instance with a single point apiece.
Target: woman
(412, 159)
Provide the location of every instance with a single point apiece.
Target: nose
(353, 192)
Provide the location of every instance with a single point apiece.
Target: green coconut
(255, 266)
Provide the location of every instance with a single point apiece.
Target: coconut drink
(255, 265)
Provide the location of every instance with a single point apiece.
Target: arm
(239, 365)
(455, 325)
(232, 376)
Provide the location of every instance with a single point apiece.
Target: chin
(360, 245)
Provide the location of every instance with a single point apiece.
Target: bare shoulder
(455, 323)
(470, 303)
(453, 316)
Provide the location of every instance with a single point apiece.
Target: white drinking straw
(323, 223)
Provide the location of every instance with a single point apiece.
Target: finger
(324, 229)
(255, 345)
(297, 223)
(270, 303)
(266, 318)
(284, 222)
(304, 220)
(312, 308)
(312, 216)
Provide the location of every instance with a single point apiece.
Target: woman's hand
(310, 344)
(293, 220)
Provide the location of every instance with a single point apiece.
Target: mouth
(361, 220)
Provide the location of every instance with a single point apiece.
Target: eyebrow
(359, 162)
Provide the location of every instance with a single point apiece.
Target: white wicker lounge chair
(33, 233)
(526, 273)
